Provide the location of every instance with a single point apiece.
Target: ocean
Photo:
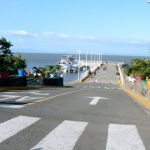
(43, 59)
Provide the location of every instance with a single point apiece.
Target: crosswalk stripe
(11, 106)
(6, 97)
(27, 98)
(63, 137)
(15, 125)
(124, 137)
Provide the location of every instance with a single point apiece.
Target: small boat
(68, 64)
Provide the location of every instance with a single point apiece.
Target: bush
(138, 67)
(19, 62)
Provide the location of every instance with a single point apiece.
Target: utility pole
(79, 67)
(86, 61)
(91, 56)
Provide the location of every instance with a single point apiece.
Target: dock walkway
(105, 76)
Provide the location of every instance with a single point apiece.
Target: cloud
(18, 33)
(67, 36)
(99, 40)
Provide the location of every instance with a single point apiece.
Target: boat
(68, 64)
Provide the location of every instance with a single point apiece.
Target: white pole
(86, 61)
(79, 67)
(91, 57)
(76, 56)
(101, 58)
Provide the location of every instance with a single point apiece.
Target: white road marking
(106, 88)
(124, 137)
(31, 92)
(6, 97)
(112, 88)
(96, 100)
(38, 93)
(104, 82)
(15, 125)
(63, 137)
(27, 98)
(99, 87)
(10, 92)
(11, 106)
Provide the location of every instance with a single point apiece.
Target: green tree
(8, 61)
(138, 67)
(6, 56)
(5, 46)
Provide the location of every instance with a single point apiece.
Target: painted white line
(15, 125)
(106, 88)
(6, 97)
(11, 106)
(38, 93)
(99, 87)
(63, 137)
(112, 88)
(124, 137)
(96, 100)
(9, 92)
(27, 98)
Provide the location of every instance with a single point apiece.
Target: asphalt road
(95, 115)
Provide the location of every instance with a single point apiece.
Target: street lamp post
(97, 57)
(101, 58)
(86, 61)
(79, 67)
(91, 56)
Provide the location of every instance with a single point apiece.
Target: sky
(115, 27)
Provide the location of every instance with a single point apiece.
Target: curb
(138, 98)
(85, 78)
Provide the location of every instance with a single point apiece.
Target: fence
(141, 87)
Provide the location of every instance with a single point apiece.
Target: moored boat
(68, 64)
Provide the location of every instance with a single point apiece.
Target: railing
(141, 87)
